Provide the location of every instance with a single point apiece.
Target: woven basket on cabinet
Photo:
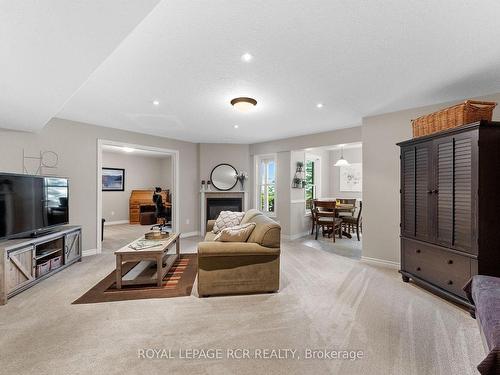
(451, 117)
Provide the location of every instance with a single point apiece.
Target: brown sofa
(241, 267)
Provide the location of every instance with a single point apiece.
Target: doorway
(131, 169)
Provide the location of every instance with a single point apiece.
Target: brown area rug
(178, 282)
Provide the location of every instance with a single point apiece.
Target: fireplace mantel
(204, 194)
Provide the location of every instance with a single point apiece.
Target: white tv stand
(26, 261)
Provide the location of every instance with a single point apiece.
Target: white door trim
(175, 175)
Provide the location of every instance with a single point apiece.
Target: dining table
(340, 207)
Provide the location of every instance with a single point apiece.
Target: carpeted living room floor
(327, 301)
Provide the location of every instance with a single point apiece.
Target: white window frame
(257, 186)
(318, 165)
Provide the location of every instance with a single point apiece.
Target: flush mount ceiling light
(236, 126)
(342, 162)
(156, 102)
(319, 105)
(243, 104)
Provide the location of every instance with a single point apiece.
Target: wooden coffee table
(160, 254)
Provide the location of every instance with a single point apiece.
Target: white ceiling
(358, 58)
(48, 49)
(135, 152)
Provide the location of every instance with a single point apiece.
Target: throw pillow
(227, 219)
(238, 233)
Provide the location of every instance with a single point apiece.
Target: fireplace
(216, 205)
(215, 201)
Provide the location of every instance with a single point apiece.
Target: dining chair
(348, 201)
(325, 217)
(313, 218)
(354, 221)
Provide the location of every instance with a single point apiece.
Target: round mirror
(223, 177)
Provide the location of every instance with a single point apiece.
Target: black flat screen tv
(32, 204)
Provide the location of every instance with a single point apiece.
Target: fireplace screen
(216, 205)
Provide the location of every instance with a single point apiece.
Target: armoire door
(455, 191)
(416, 180)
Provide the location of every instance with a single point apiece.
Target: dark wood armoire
(450, 208)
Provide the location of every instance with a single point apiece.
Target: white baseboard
(294, 236)
(190, 234)
(381, 262)
(106, 223)
(89, 252)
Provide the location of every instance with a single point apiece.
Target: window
(312, 171)
(265, 168)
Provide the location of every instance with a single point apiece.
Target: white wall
(76, 145)
(283, 179)
(381, 177)
(352, 155)
(141, 172)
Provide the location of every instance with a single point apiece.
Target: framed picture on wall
(351, 177)
(113, 179)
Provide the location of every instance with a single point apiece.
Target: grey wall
(166, 173)
(212, 154)
(381, 204)
(141, 172)
(352, 155)
(76, 144)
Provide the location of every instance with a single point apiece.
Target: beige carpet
(326, 301)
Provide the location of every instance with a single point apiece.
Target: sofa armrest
(210, 225)
(215, 248)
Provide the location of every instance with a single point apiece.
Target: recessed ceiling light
(236, 126)
(128, 149)
(246, 57)
(243, 104)
(156, 102)
(319, 105)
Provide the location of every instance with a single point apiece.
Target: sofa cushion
(239, 233)
(227, 219)
(267, 232)
(484, 293)
(249, 215)
(210, 236)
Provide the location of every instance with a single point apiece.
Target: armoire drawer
(436, 265)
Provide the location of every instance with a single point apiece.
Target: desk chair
(160, 211)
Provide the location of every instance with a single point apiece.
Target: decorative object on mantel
(203, 184)
(224, 177)
(341, 162)
(209, 185)
(241, 177)
(298, 181)
(451, 117)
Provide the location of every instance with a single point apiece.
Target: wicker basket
(451, 117)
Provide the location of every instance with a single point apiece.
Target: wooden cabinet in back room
(450, 207)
